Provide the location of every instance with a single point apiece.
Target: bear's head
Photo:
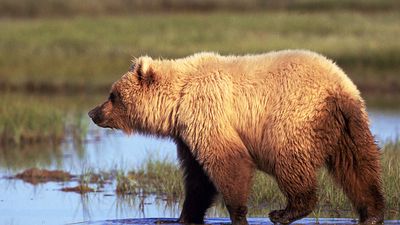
(128, 106)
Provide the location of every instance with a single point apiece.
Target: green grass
(33, 122)
(89, 53)
(28, 119)
(154, 176)
(391, 177)
(163, 177)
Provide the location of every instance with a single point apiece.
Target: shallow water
(23, 203)
(252, 221)
(385, 125)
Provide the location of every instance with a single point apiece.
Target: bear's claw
(286, 216)
(372, 221)
(278, 216)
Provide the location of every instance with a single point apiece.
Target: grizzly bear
(287, 113)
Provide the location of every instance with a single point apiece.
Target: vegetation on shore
(31, 119)
(154, 176)
(87, 54)
(29, 122)
(36, 176)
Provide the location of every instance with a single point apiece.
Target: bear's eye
(112, 97)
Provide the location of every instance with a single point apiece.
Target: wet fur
(286, 113)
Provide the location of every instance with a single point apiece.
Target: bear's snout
(96, 115)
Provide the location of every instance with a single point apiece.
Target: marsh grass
(163, 177)
(391, 175)
(126, 185)
(91, 181)
(87, 54)
(95, 179)
(154, 176)
(32, 119)
(29, 123)
(36, 176)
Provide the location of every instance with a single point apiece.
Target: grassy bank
(154, 176)
(89, 53)
(30, 119)
(162, 177)
(26, 123)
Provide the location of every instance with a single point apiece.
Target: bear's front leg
(231, 169)
(199, 190)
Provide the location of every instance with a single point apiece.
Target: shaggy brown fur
(286, 113)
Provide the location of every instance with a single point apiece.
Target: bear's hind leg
(299, 185)
(199, 190)
(355, 161)
(361, 181)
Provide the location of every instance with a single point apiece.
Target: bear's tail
(355, 163)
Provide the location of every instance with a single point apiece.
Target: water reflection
(101, 151)
(22, 203)
(16, 158)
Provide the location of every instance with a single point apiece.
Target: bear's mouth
(105, 126)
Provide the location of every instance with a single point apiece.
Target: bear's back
(298, 69)
(275, 69)
(281, 82)
(279, 95)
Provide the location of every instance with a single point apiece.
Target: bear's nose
(92, 113)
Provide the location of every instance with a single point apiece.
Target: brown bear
(287, 113)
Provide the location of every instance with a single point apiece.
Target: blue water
(385, 125)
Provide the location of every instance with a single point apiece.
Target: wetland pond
(103, 150)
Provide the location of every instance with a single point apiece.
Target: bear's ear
(144, 70)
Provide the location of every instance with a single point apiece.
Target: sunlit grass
(28, 119)
(92, 52)
(29, 122)
(154, 176)
(391, 177)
